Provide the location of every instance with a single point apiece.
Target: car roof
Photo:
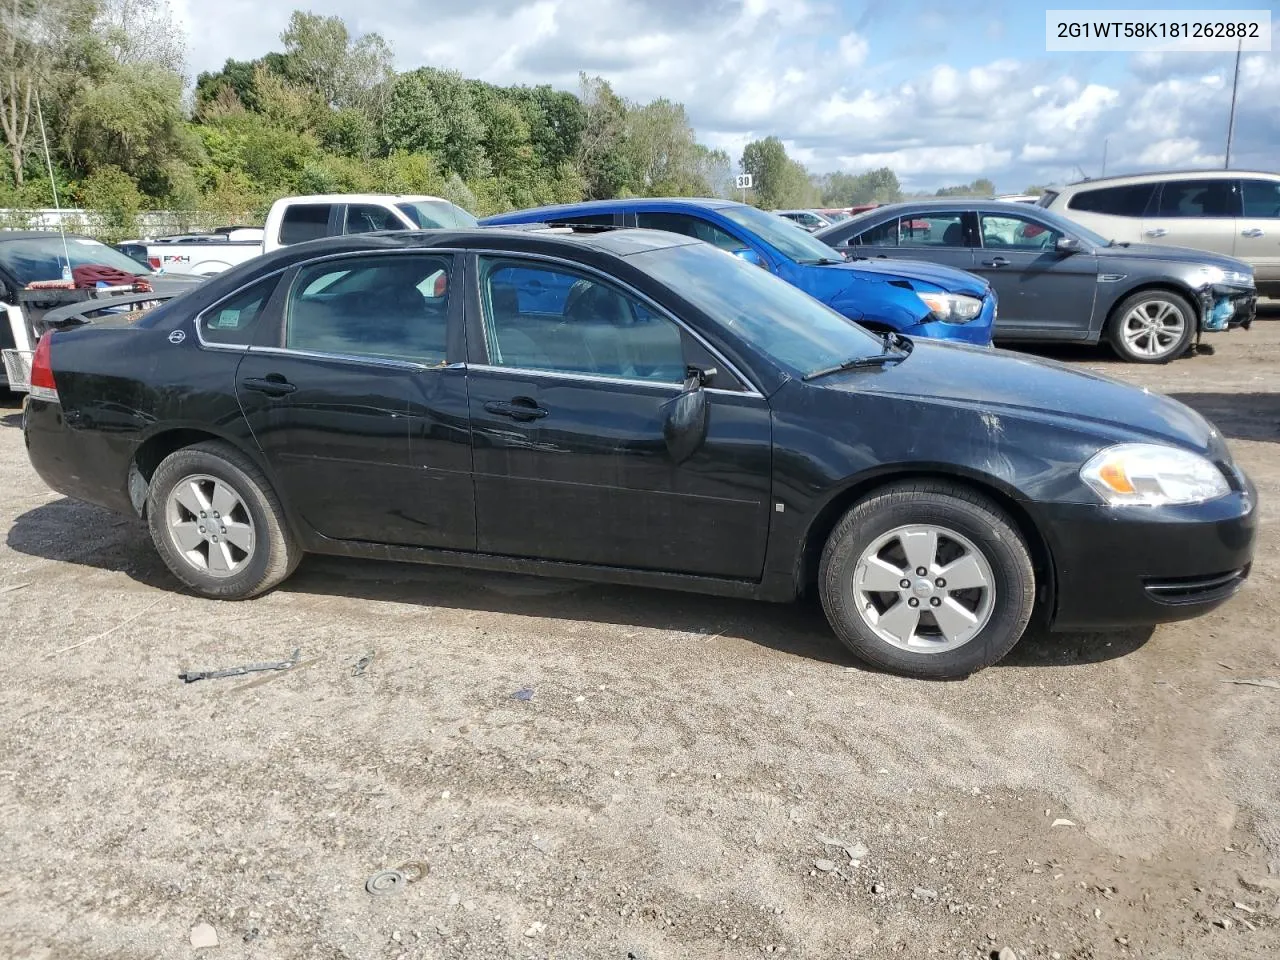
(1127, 178)
(559, 211)
(621, 243)
(363, 198)
(39, 235)
(946, 203)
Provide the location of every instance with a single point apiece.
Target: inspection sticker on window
(1100, 31)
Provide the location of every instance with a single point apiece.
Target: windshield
(800, 333)
(780, 233)
(42, 258)
(428, 214)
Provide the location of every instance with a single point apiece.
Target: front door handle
(995, 262)
(273, 385)
(519, 408)
(1157, 232)
(1253, 232)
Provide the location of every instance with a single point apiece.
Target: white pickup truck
(296, 219)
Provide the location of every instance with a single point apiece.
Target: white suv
(1233, 212)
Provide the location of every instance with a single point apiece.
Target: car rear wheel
(927, 579)
(1152, 326)
(217, 524)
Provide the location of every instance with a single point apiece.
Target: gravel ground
(688, 777)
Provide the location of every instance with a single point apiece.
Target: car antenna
(53, 185)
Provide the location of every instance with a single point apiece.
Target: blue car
(916, 298)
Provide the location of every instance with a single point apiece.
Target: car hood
(1152, 251)
(948, 279)
(1004, 383)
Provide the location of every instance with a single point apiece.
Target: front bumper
(1225, 307)
(976, 331)
(1130, 566)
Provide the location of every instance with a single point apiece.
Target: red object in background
(862, 208)
(92, 274)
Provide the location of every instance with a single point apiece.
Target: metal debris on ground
(191, 676)
(362, 664)
(385, 882)
(1268, 682)
(524, 693)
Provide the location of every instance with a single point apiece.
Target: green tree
(346, 71)
(133, 121)
(982, 187)
(602, 157)
(114, 195)
(778, 181)
(37, 42)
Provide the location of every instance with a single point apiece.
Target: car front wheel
(217, 524)
(1152, 326)
(927, 579)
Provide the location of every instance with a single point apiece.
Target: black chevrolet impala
(636, 407)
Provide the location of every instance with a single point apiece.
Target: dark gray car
(1057, 280)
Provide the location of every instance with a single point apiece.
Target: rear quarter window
(1132, 200)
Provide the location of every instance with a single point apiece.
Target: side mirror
(685, 427)
(1067, 245)
(749, 255)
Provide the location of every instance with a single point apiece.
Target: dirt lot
(690, 778)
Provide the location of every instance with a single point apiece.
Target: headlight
(1216, 275)
(1149, 474)
(951, 307)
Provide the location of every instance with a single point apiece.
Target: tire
(260, 551)
(1165, 309)
(868, 543)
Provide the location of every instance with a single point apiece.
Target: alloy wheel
(1153, 328)
(209, 525)
(924, 588)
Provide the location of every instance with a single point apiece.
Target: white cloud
(853, 50)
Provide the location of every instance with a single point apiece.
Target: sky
(942, 92)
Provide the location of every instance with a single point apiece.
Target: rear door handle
(519, 408)
(1157, 232)
(1253, 232)
(995, 262)
(273, 385)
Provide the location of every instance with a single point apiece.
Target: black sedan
(636, 407)
(1057, 280)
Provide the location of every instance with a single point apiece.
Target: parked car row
(1058, 280)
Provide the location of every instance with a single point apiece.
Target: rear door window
(1127, 201)
(389, 307)
(305, 221)
(932, 230)
(1261, 199)
(1199, 199)
(369, 218)
(881, 235)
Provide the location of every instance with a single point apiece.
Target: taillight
(43, 386)
(155, 262)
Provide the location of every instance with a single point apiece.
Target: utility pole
(1231, 123)
(1105, 144)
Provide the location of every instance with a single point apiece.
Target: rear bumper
(1139, 566)
(75, 462)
